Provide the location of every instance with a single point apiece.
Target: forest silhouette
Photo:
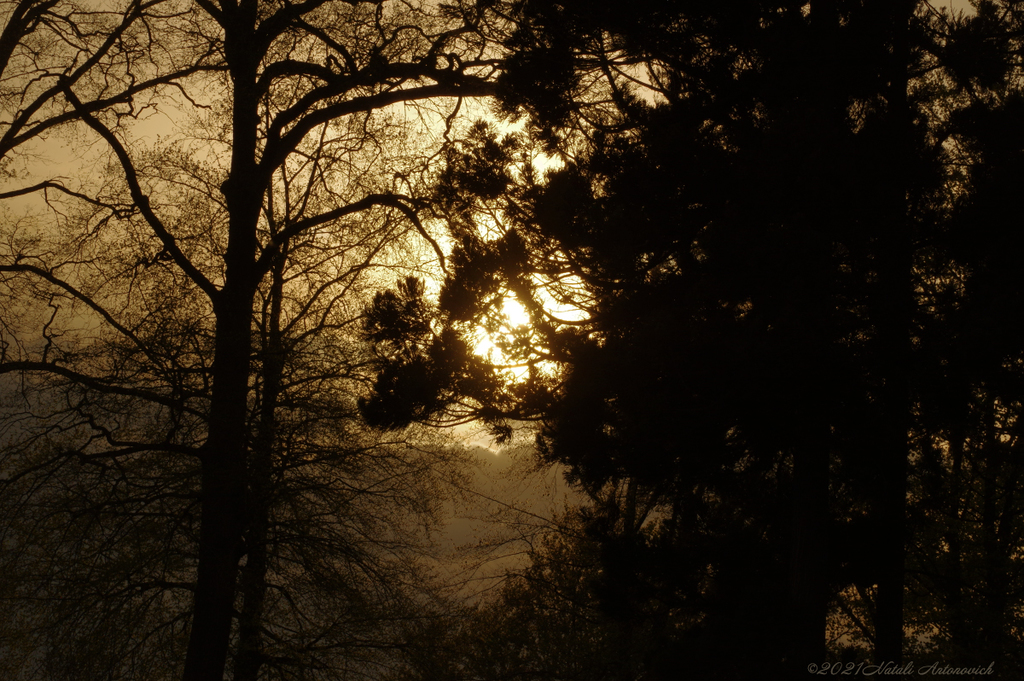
(788, 387)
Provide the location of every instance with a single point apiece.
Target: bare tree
(177, 311)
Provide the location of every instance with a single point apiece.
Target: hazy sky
(955, 5)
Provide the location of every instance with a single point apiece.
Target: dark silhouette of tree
(753, 238)
(963, 571)
(133, 325)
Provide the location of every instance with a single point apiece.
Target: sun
(514, 312)
(510, 321)
(514, 316)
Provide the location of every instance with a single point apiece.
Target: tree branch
(21, 22)
(141, 200)
(10, 140)
(395, 201)
(94, 383)
(276, 24)
(78, 295)
(122, 212)
(280, 145)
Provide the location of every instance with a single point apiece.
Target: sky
(956, 5)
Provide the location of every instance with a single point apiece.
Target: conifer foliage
(782, 228)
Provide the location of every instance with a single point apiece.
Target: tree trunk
(821, 116)
(253, 583)
(225, 503)
(893, 305)
(253, 586)
(223, 496)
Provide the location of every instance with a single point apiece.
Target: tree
(750, 348)
(46, 47)
(965, 574)
(283, 111)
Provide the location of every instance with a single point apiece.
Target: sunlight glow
(513, 317)
(512, 324)
(515, 313)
